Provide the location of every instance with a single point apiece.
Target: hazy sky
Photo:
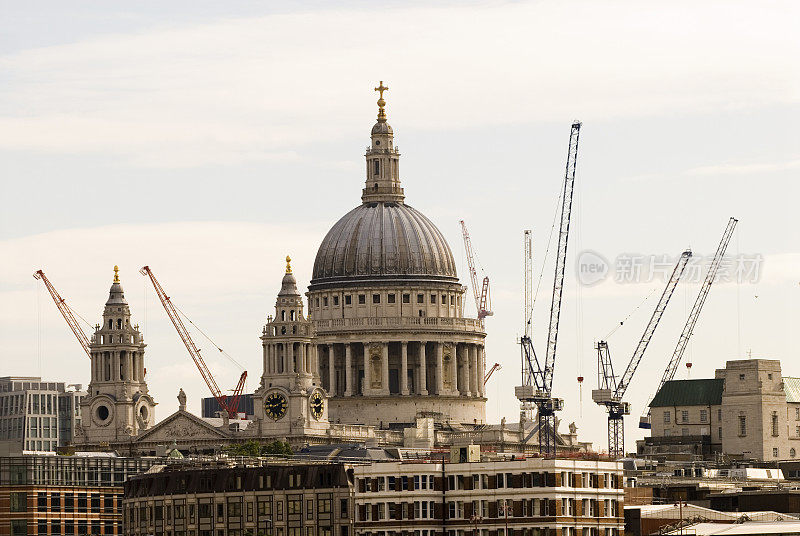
(209, 140)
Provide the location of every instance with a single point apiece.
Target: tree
(277, 448)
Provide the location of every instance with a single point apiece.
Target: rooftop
(704, 392)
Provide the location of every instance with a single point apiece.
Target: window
(703, 415)
(362, 299)
(719, 415)
(797, 431)
(775, 452)
(444, 299)
(774, 424)
(348, 299)
(19, 501)
(684, 416)
(390, 298)
(376, 298)
(666, 417)
(41, 502)
(325, 301)
(742, 426)
(719, 432)
(433, 298)
(376, 167)
(792, 452)
(769, 376)
(336, 300)
(741, 377)
(420, 298)
(407, 299)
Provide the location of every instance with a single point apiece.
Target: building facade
(64, 495)
(256, 497)
(414, 496)
(748, 410)
(36, 415)
(489, 497)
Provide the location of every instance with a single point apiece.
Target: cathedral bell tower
(290, 400)
(118, 406)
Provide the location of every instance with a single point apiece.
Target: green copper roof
(692, 393)
(792, 388)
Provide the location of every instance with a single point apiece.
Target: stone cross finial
(381, 103)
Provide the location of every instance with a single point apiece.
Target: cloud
(254, 88)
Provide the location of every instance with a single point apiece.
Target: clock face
(317, 404)
(275, 406)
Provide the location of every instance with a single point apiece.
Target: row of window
(455, 301)
(276, 531)
(684, 416)
(490, 481)
(68, 502)
(235, 509)
(69, 527)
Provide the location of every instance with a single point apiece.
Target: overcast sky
(209, 140)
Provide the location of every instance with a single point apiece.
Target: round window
(102, 412)
(377, 142)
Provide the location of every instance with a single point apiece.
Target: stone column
(473, 369)
(422, 379)
(466, 388)
(115, 366)
(439, 368)
(331, 371)
(348, 370)
(367, 374)
(385, 368)
(290, 358)
(404, 368)
(481, 369)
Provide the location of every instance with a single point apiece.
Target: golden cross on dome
(381, 103)
(116, 274)
(288, 264)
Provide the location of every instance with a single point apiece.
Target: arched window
(283, 316)
(376, 167)
(292, 315)
(294, 329)
(110, 324)
(119, 323)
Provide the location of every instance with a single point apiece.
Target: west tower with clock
(290, 400)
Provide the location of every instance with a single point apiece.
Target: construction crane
(694, 314)
(230, 405)
(537, 377)
(66, 312)
(495, 367)
(609, 391)
(483, 301)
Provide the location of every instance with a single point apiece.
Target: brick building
(64, 495)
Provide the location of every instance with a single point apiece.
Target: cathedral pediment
(181, 425)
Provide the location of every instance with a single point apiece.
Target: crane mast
(610, 392)
(66, 312)
(694, 314)
(537, 377)
(482, 298)
(231, 407)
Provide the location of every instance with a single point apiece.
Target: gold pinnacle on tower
(116, 274)
(381, 102)
(288, 264)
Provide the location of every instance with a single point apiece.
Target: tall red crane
(228, 404)
(66, 312)
(483, 301)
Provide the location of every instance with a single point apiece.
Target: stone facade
(755, 414)
(118, 406)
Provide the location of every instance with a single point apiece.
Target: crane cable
(223, 352)
(610, 333)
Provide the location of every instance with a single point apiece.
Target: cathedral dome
(383, 241)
